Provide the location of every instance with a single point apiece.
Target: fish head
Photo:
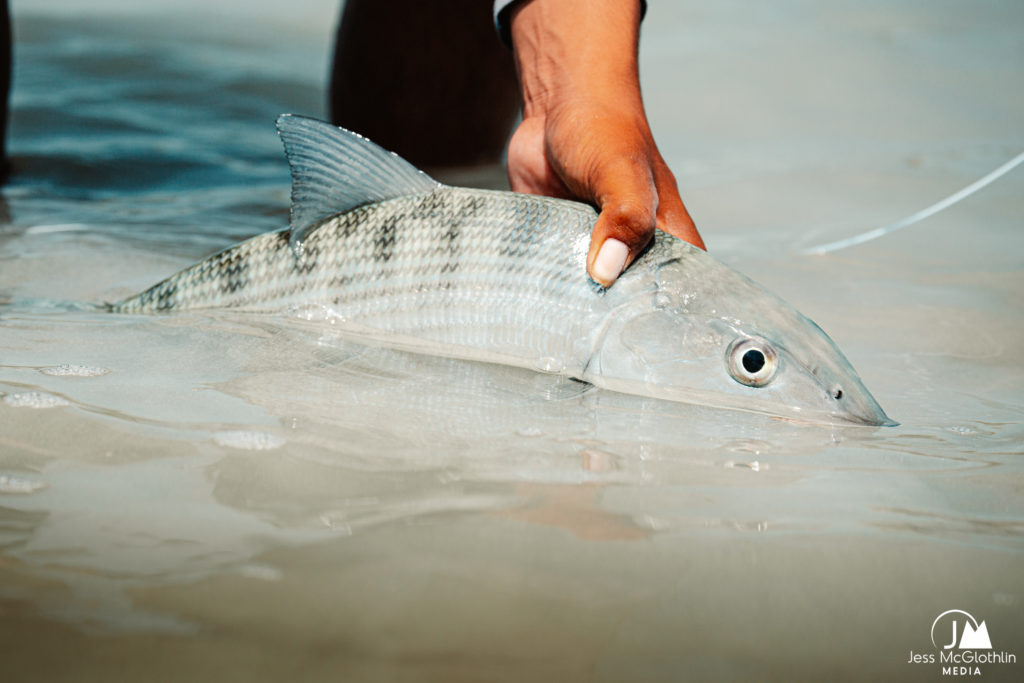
(685, 327)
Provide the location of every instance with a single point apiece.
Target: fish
(388, 254)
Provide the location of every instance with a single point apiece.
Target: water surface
(254, 498)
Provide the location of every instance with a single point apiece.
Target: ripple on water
(72, 370)
(34, 399)
(248, 440)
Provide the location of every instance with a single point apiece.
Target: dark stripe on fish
(165, 297)
(235, 273)
(384, 238)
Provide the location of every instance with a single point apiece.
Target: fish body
(459, 269)
(384, 251)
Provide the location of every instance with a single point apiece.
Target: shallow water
(220, 495)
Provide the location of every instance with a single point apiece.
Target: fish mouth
(872, 416)
(864, 410)
(879, 420)
(887, 421)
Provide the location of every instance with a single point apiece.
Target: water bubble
(263, 572)
(10, 483)
(248, 440)
(963, 430)
(754, 465)
(71, 370)
(34, 399)
(548, 364)
(653, 523)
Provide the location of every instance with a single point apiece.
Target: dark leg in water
(5, 81)
(428, 79)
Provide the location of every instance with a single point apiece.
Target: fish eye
(752, 362)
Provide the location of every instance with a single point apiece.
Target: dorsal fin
(335, 170)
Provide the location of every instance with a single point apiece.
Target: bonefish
(387, 252)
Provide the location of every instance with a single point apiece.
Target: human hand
(584, 133)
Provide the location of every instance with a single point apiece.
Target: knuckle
(632, 220)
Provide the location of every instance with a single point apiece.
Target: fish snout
(856, 404)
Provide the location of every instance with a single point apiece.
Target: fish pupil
(753, 361)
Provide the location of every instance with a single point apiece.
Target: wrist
(576, 50)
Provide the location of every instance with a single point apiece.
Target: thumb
(626, 223)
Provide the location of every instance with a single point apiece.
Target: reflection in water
(351, 440)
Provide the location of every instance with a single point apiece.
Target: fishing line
(920, 215)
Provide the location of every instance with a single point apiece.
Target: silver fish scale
(493, 271)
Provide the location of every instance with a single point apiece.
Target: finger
(628, 200)
(528, 167)
(673, 217)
